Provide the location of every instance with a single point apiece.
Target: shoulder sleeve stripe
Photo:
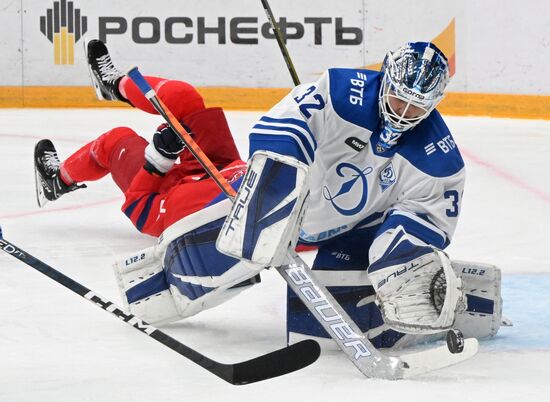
(296, 122)
(271, 129)
(290, 124)
(298, 137)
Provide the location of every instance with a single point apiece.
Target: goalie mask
(414, 78)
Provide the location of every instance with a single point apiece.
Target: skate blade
(40, 195)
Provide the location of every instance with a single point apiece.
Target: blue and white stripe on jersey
(296, 129)
(416, 226)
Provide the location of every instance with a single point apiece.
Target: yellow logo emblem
(63, 26)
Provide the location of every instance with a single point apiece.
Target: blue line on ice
(527, 305)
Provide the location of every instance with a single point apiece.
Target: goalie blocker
(264, 221)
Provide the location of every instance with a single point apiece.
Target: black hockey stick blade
(274, 364)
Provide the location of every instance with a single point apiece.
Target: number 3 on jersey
(305, 107)
(453, 196)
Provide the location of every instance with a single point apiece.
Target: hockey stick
(281, 43)
(274, 364)
(316, 298)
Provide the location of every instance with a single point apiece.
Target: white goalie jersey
(334, 126)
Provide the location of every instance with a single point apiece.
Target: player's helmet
(416, 74)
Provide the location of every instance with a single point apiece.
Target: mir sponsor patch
(356, 143)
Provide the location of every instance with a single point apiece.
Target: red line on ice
(506, 176)
(38, 137)
(71, 208)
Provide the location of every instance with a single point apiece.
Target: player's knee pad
(181, 97)
(104, 146)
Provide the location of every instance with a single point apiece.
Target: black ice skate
(105, 77)
(49, 186)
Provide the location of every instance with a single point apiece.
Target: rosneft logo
(63, 26)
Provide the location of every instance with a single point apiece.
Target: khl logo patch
(357, 177)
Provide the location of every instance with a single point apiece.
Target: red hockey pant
(120, 151)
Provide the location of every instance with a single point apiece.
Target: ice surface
(54, 346)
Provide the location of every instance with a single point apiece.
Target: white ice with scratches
(54, 346)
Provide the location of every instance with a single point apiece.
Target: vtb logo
(63, 26)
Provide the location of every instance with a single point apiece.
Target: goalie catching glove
(417, 290)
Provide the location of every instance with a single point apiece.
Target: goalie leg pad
(143, 287)
(482, 285)
(265, 217)
(199, 276)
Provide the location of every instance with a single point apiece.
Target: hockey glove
(162, 152)
(417, 290)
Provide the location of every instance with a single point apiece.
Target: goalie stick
(316, 298)
(281, 42)
(274, 364)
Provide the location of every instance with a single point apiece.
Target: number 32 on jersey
(317, 103)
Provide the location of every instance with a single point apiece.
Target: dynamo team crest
(356, 183)
(387, 177)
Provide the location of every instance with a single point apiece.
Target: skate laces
(107, 70)
(50, 161)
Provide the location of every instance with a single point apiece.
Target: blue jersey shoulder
(354, 96)
(431, 148)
